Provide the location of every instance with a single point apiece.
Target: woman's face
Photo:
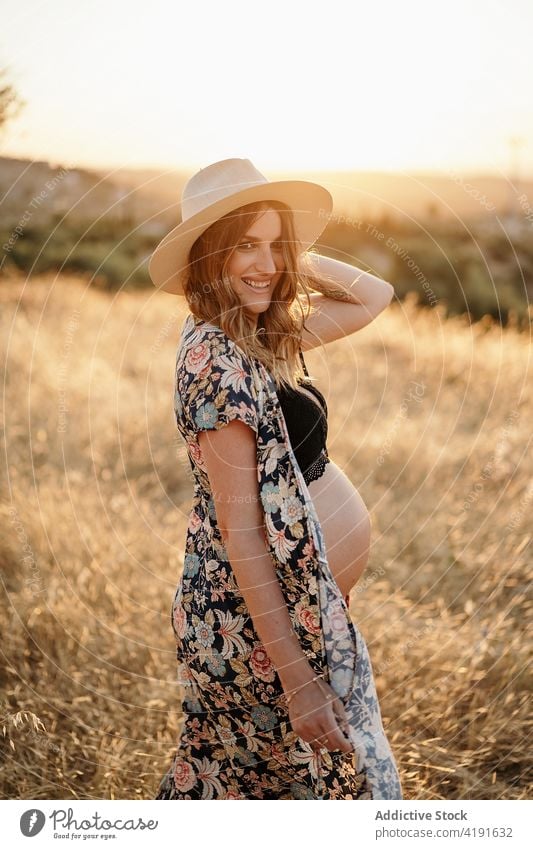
(258, 258)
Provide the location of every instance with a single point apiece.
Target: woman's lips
(256, 285)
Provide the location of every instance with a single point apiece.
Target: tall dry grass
(432, 422)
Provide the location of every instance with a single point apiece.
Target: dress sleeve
(215, 385)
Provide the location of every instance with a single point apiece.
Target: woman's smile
(257, 285)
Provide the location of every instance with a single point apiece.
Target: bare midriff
(345, 522)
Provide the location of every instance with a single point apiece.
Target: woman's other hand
(317, 715)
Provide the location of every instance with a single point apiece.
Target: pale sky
(417, 86)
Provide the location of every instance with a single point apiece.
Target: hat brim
(310, 203)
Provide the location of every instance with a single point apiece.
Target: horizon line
(185, 170)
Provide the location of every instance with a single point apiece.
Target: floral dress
(236, 740)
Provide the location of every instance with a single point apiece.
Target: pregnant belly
(346, 525)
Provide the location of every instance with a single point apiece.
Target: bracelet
(289, 696)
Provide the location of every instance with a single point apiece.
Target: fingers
(333, 741)
(333, 738)
(338, 707)
(342, 735)
(330, 727)
(340, 741)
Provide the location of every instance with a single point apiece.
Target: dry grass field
(431, 419)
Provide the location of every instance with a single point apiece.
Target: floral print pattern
(236, 740)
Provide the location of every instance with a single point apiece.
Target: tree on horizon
(10, 101)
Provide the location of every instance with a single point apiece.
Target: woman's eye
(278, 246)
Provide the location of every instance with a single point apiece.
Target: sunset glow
(291, 85)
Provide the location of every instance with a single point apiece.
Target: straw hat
(217, 190)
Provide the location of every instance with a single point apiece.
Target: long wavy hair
(276, 339)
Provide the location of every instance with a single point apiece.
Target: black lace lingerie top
(307, 424)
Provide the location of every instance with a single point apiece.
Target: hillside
(369, 194)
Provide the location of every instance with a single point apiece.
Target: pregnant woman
(280, 701)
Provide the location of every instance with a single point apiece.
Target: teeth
(254, 285)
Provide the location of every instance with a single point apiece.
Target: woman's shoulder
(195, 331)
(206, 352)
(203, 342)
(215, 381)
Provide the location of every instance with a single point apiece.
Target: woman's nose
(265, 262)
